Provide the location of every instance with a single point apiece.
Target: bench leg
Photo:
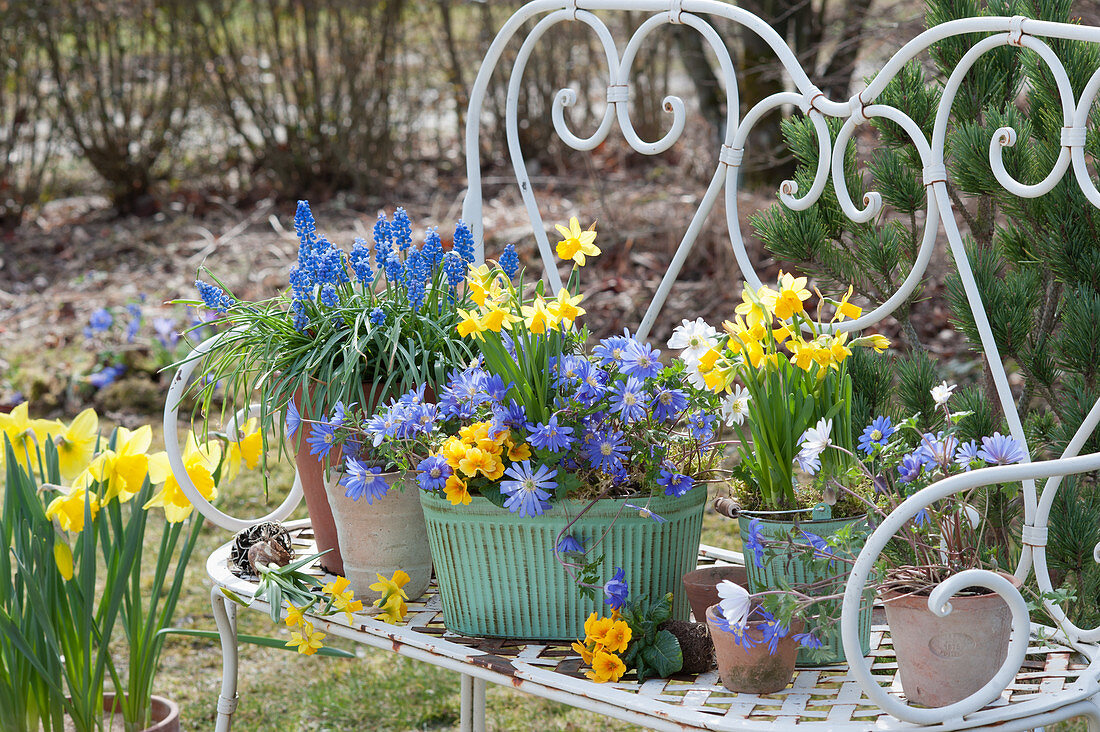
(225, 616)
(473, 704)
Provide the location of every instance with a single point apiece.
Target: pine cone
(271, 535)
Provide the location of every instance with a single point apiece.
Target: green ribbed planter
(796, 570)
(498, 576)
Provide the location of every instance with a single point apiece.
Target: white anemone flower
(734, 603)
(693, 339)
(694, 375)
(735, 406)
(942, 393)
(816, 439)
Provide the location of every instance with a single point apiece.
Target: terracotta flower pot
(755, 670)
(311, 472)
(701, 586)
(944, 660)
(382, 537)
(165, 716)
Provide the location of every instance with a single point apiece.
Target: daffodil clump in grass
(76, 508)
(355, 326)
(783, 379)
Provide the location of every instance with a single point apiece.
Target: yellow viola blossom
(200, 464)
(577, 243)
(456, 491)
(76, 443)
(595, 628)
(343, 598)
(565, 307)
(68, 509)
(306, 639)
(453, 451)
(605, 667)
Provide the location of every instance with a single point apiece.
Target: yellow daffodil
(497, 319)
(247, 449)
(577, 244)
(708, 359)
(537, 318)
(469, 324)
(294, 616)
(456, 491)
(63, 557)
(123, 470)
(306, 639)
(394, 610)
(392, 601)
(565, 307)
(605, 667)
(792, 292)
(878, 342)
(845, 309)
(76, 443)
(752, 308)
(476, 284)
(26, 435)
(343, 598)
(838, 348)
(200, 463)
(802, 353)
(68, 509)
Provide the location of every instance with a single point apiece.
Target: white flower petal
(734, 603)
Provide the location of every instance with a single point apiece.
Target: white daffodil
(816, 439)
(942, 393)
(734, 603)
(735, 406)
(693, 339)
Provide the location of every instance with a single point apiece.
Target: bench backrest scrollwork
(994, 32)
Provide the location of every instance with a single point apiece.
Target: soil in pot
(755, 670)
(695, 645)
(944, 660)
(701, 586)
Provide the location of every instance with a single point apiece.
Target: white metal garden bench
(1047, 676)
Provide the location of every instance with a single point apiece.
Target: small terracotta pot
(701, 586)
(382, 537)
(752, 671)
(165, 716)
(944, 660)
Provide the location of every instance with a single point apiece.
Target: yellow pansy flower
(605, 667)
(306, 639)
(68, 509)
(76, 443)
(456, 491)
(565, 307)
(577, 244)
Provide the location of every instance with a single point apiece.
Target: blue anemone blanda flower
(529, 491)
(1001, 450)
(432, 473)
(876, 433)
(363, 481)
(616, 590)
(550, 435)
